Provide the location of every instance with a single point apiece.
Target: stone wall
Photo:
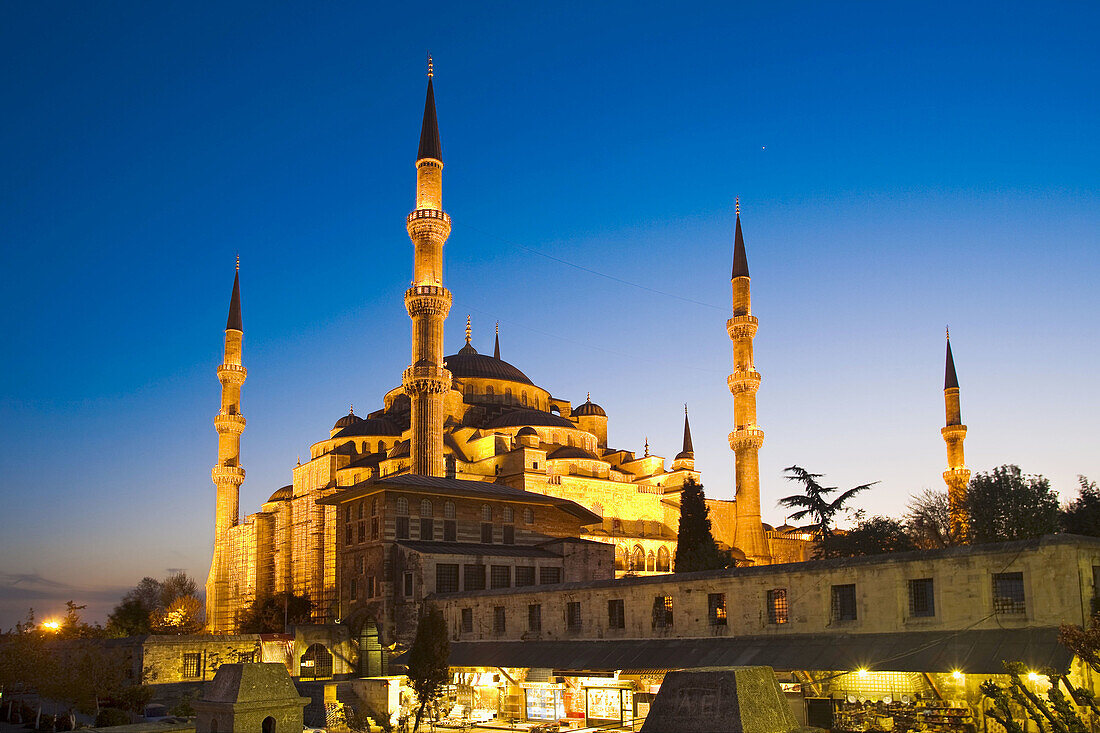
(1056, 573)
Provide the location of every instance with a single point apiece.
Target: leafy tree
(814, 501)
(1005, 504)
(695, 545)
(873, 536)
(177, 585)
(1082, 515)
(266, 615)
(428, 670)
(929, 521)
(147, 592)
(184, 615)
(73, 626)
(130, 618)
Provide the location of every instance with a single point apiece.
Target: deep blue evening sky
(901, 167)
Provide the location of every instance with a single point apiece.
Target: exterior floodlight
(1033, 676)
(51, 625)
(861, 672)
(957, 674)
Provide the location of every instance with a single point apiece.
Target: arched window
(489, 390)
(425, 508)
(572, 442)
(347, 513)
(664, 564)
(486, 513)
(213, 725)
(268, 726)
(620, 558)
(637, 558)
(316, 663)
(616, 525)
(508, 394)
(359, 511)
(381, 446)
(528, 516)
(402, 506)
(374, 507)
(641, 528)
(507, 515)
(449, 510)
(650, 562)
(523, 398)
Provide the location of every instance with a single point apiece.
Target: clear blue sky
(901, 167)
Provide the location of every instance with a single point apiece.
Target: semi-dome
(373, 426)
(517, 418)
(282, 494)
(471, 364)
(589, 409)
(571, 451)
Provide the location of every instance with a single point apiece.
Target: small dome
(347, 420)
(528, 430)
(282, 494)
(516, 418)
(685, 455)
(589, 409)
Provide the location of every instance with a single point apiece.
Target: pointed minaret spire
(949, 378)
(234, 322)
(496, 345)
(687, 433)
(429, 128)
(740, 261)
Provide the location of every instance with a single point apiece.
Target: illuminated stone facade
(476, 417)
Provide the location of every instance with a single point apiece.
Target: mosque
(475, 417)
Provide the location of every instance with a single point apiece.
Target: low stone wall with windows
(1032, 583)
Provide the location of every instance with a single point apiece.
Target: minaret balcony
(227, 475)
(952, 433)
(749, 437)
(741, 327)
(957, 477)
(743, 382)
(426, 379)
(232, 374)
(423, 223)
(226, 423)
(428, 300)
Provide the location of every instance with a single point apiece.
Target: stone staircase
(329, 703)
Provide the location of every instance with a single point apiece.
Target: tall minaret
(747, 437)
(957, 475)
(426, 381)
(227, 474)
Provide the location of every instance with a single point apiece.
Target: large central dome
(482, 366)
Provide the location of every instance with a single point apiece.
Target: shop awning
(972, 652)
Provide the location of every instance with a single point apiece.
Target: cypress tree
(695, 545)
(428, 670)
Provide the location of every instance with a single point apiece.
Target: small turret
(685, 459)
(592, 418)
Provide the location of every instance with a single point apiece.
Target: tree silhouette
(695, 546)
(428, 670)
(814, 502)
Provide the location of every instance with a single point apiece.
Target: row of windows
(507, 514)
(370, 588)
(500, 576)
(1008, 598)
(192, 663)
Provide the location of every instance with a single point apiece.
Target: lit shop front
(918, 681)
